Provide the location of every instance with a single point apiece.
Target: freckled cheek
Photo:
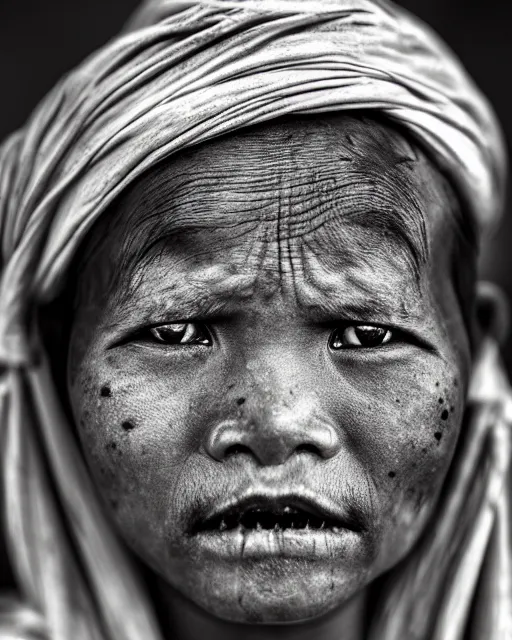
(415, 445)
(403, 428)
(135, 436)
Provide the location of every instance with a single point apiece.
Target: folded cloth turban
(180, 74)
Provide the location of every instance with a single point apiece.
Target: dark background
(40, 40)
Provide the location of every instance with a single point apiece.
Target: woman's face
(268, 364)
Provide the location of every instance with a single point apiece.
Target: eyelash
(343, 337)
(194, 332)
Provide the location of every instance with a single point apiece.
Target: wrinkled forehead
(339, 182)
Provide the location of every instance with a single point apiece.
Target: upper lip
(342, 516)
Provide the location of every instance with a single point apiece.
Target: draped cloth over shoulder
(180, 74)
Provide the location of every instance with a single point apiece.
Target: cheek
(405, 433)
(135, 435)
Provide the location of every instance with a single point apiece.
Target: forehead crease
(284, 188)
(292, 207)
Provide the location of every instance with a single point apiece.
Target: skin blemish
(112, 361)
(111, 446)
(240, 401)
(106, 392)
(437, 384)
(438, 435)
(444, 415)
(452, 409)
(127, 425)
(397, 400)
(391, 474)
(441, 400)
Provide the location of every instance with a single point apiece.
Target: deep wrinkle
(382, 202)
(194, 241)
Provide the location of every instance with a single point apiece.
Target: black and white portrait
(253, 322)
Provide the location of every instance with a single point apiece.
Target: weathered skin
(273, 240)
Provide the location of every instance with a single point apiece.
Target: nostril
(235, 449)
(307, 448)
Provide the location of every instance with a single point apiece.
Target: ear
(492, 313)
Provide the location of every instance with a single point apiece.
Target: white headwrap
(183, 73)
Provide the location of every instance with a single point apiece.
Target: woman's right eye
(180, 334)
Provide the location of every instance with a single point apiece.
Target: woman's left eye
(183, 333)
(360, 335)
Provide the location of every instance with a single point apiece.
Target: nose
(274, 437)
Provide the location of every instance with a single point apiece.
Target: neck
(182, 620)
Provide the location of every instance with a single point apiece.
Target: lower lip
(257, 544)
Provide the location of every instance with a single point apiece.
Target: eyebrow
(219, 298)
(185, 305)
(406, 227)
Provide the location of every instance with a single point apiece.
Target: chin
(287, 592)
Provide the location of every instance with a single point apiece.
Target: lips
(279, 514)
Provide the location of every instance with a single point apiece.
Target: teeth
(278, 527)
(260, 519)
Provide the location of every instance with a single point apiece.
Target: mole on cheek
(106, 391)
(391, 474)
(444, 415)
(127, 425)
(438, 435)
